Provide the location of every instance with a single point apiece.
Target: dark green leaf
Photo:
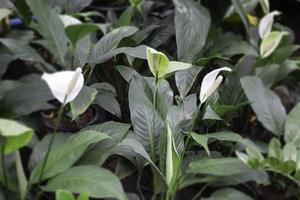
(50, 26)
(67, 154)
(266, 104)
(192, 22)
(98, 182)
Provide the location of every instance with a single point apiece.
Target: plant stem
(187, 141)
(3, 163)
(59, 116)
(191, 129)
(152, 138)
(200, 192)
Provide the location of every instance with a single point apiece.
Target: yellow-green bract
(160, 65)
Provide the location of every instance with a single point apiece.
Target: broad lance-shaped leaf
(160, 65)
(66, 154)
(185, 79)
(101, 151)
(15, 135)
(109, 42)
(292, 126)
(266, 23)
(65, 85)
(78, 31)
(265, 103)
(141, 111)
(83, 101)
(50, 26)
(98, 182)
(24, 51)
(218, 166)
(192, 22)
(270, 43)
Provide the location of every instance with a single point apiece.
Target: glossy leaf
(78, 31)
(266, 104)
(192, 23)
(50, 26)
(98, 182)
(217, 166)
(185, 79)
(292, 126)
(67, 154)
(83, 101)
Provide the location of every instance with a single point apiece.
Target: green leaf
(242, 13)
(228, 194)
(185, 79)
(4, 12)
(125, 17)
(289, 152)
(274, 150)
(24, 51)
(266, 104)
(108, 101)
(99, 152)
(16, 135)
(270, 43)
(292, 127)
(217, 166)
(63, 195)
(21, 101)
(98, 182)
(50, 26)
(202, 140)
(83, 196)
(78, 31)
(64, 156)
(192, 22)
(130, 148)
(83, 101)
(109, 42)
(142, 115)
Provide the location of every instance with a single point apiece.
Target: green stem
(152, 138)
(191, 129)
(3, 163)
(187, 142)
(59, 116)
(200, 192)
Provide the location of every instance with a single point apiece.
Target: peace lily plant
(64, 86)
(160, 66)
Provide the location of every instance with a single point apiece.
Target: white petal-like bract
(69, 20)
(211, 82)
(65, 85)
(266, 23)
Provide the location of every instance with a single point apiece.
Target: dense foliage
(148, 99)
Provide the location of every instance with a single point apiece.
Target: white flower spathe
(65, 85)
(211, 82)
(266, 23)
